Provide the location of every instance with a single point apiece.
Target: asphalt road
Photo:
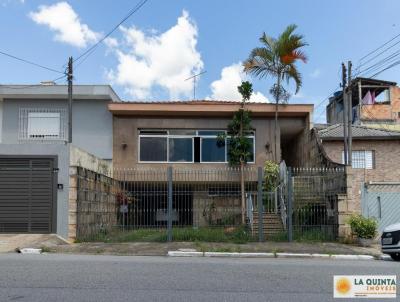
(75, 278)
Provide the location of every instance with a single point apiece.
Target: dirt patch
(10, 242)
(161, 249)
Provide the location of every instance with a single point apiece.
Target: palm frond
(268, 41)
(293, 74)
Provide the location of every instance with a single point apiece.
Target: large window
(153, 149)
(42, 124)
(361, 159)
(185, 146)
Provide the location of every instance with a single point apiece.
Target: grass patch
(303, 236)
(233, 235)
(45, 249)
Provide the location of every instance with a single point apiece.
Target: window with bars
(363, 159)
(42, 124)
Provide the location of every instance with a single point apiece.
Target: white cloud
(226, 87)
(315, 74)
(147, 61)
(63, 20)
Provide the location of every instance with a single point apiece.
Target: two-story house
(35, 155)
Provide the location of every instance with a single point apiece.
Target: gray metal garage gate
(381, 200)
(27, 194)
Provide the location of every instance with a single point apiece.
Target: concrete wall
(387, 164)
(62, 153)
(92, 123)
(126, 131)
(81, 158)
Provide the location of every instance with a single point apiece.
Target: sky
(165, 42)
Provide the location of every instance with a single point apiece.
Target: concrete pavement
(58, 277)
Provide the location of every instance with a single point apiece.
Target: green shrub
(363, 227)
(271, 175)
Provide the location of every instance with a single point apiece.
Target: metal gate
(27, 194)
(382, 202)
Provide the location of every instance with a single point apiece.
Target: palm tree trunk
(277, 96)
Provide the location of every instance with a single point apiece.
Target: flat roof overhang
(207, 109)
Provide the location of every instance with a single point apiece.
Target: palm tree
(277, 58)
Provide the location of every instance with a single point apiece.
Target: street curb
(239, 255)
(268, 255)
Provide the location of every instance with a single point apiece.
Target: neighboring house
(184, 134)
(375, 103)
(35, 156)
(375, 160)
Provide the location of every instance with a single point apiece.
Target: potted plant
(364, 228)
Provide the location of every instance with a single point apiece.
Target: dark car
(391, 241)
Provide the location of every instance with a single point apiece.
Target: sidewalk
(161, 249)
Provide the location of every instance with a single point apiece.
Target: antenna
(194, 82)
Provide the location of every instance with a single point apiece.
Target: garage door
(26, 195)
(382, 202)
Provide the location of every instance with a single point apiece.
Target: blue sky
(166, 41)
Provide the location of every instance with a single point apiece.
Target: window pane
(153, 149)
(369, 160)
(250, 158)
(180, 150)
(153, 132)
(211, 132)
(212, 150)
(361, 159)
(358, 159)
(182, 132)
(44, 124)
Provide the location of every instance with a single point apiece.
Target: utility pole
(70, 78)
(350, 102)
(345, 114)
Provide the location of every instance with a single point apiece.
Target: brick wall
(387, 164)
(384, 111)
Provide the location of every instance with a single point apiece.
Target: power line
(32, 86)
(388, 67)
(382, 52)
(90, 50)
(30, 62)
(372, 67)
(384, 44)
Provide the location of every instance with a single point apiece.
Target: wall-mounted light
(267, 146)
(124, 145)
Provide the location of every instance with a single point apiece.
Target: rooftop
(335, 132)
(208, 107)
(45, 91)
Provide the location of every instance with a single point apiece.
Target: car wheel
(395, 257)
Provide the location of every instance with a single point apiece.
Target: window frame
(192, 136)
(365, 159)
(24, 129)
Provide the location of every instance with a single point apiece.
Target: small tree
(239, 145)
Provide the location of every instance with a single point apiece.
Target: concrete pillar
(72, 203)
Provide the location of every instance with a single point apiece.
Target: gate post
(260, 204)
(169, 224)
(290, 206)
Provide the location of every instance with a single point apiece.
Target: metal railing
(206, 205)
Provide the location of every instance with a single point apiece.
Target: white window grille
(42, 124)
(361, 159)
